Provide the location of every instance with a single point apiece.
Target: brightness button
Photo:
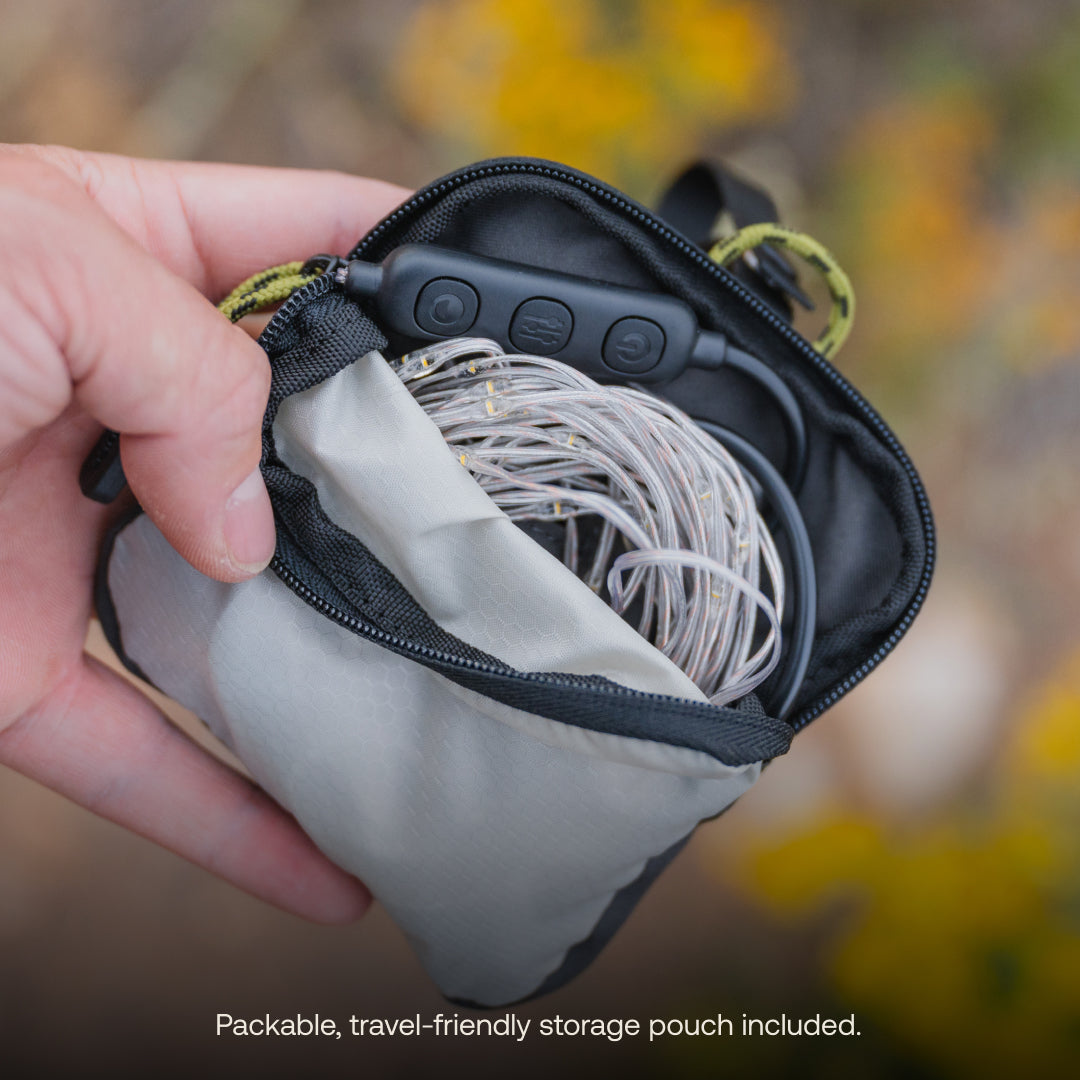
(446, 307)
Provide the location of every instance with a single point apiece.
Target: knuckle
(43, 211)
(36, 178)
(61, 164)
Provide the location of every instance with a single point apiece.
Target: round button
(446, 307)
(541, 327)
(633, 346)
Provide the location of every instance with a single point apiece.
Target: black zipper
(642, 217)
(365, 629)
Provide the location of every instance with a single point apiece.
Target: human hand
(107, 263)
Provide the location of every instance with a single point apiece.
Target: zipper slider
(361, 279)
(327, 264)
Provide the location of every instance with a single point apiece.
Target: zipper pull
(101, 477)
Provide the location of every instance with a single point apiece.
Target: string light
(680, 544)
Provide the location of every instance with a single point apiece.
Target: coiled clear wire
(681, 544)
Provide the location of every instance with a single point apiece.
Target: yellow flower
(963, 939)
(823, 863)
(917, 242)
(1047, 744)
(721, 61)
(623, 91)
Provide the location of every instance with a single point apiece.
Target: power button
(633, 346)
(446, 307)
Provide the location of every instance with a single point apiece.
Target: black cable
(803, 581)
(713, 353)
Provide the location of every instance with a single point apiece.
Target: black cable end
(362, 279)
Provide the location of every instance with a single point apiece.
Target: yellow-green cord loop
(265, 288)
(842, 313)
(278, 283)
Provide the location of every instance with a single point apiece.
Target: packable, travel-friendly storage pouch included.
(450, 713)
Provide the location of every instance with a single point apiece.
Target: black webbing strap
(700, 194)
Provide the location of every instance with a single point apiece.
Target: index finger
(215, 225)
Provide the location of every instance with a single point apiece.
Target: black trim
(733, 736)
(103, 601)
(581, 955)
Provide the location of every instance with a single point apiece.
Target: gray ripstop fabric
(497, 838)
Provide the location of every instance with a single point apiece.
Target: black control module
(427, 293)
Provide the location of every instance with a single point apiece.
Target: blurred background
(916, 858)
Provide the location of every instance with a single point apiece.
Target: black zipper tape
(741, 738)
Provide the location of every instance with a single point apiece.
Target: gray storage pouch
(449, 713)
(500, 839)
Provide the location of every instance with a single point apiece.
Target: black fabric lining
(869, 583)
(512, 215)
(581, 955)
(839, 637)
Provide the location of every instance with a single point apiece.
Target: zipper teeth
(310, 291)
(358, 626)
(638, 214)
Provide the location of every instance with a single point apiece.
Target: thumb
(145, 354)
